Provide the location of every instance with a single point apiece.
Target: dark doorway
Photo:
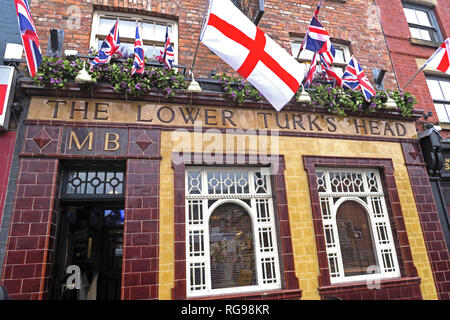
(90, 237)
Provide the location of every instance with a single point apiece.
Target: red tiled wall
(31, 235)
(437, 250)
(7, 140)
(140, 259)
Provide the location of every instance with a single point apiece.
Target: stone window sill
(424, 42)
(283, 294)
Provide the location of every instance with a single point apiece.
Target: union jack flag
(167, 56)
(354, 78)
(139, 63)
(326, 60)
(316, 36)
(109, 47)
(311, 72)
(29, 36)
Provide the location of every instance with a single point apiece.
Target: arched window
(355, 238)
(231, 247)
(231, 240)
(356, 225)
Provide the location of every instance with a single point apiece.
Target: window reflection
(231, 247)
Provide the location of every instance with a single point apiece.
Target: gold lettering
(73, 137)
(108, 141)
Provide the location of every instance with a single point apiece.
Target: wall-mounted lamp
(378, 76)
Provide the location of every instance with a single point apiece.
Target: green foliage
(340, 101)
(237, 89)
(119, 76)
(57, 72)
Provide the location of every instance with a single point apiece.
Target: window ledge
(354, 287)
(444, 125)
(425, 42)
(294, 294)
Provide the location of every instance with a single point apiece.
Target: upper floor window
(341, 57)
(440, 92)
(231, 239)
(152, 31)
(422, 22)
(358, 235)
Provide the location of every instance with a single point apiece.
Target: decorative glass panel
(196, 243)
(228, 182)
(194, 182)
(195, 212)
(262, 206)
(329, 236)
(197, 276)
(333, 262)
(388, 261)
(377, 208)
(82, 182)
(268, 270)
(260, 183)
(382, 233)
(265, 240)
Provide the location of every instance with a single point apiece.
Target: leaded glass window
(358, 236)
(231, 238)
(98, 182)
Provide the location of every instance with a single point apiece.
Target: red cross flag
(6, 91)
(249, 51)
(440, 60)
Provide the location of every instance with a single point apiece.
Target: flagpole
(421, 68)
(199, 36)
(316, 13)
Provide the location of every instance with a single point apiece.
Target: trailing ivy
(237, 89)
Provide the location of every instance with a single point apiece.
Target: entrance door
(90, 239)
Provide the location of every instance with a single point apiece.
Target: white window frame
(201, 226)
(138, 18)
(371, 197)
(307, 55)
(432, 29)
(441, 99)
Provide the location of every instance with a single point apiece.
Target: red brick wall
(404, 53)
(354, 21)
(7, 140)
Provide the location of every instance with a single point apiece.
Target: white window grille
(363, 188)
(249, 189)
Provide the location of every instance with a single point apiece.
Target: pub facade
(196, 196)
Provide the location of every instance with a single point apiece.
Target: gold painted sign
(100, 111)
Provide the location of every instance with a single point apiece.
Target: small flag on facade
(109, 47)
(312, 71)
(354, 78)
(167, 56)
(29, 36)
(247, 49)
(440, 60)
(139, 62)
